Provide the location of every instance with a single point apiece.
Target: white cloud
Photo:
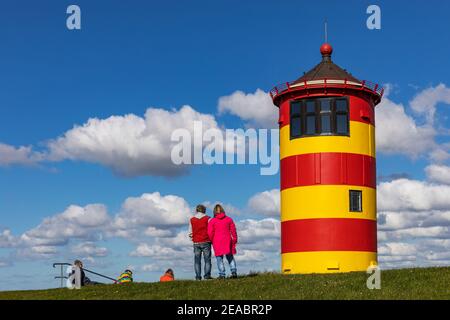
(153, 210)
(416, 232)
(180, 240)
(37, 252)
(89, 249)
(413, 223)
(229, 208)
(164, 252)
(251, 231)
(7, 240)
(157, 233)
(256, 108)
(439, 256)
(424, 232)
(425, 102)
(438, 173)
(397, 249)
(437, 218)
(398, 133)
(158, 252)
(10, 155)
(439, 154)
(405, 194)
(250, 256)
(396, 262)
(151, 215)
(394, 220)
(4, 263)
(151, 268)
(266, 203)
(74, 223)
(130, 145)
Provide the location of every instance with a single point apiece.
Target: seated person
(168, 276)
(84, 281)
(125, 277)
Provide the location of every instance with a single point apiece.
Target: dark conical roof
(326, 69)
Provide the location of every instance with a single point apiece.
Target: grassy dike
(417, 283)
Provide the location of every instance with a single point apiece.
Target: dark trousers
(200, 248)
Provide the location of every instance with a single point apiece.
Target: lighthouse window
(325, 123)
(355, 201)
(296, 109)
(325, 105)
(319, 116)
(311, 111)
(341, 116)
(325, 116)
(311, 106)
(341, 105)
(296, 119)
(341, 124)
(296, 127)
(311, 124)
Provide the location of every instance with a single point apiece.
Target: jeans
(200, 248)
(221, 266)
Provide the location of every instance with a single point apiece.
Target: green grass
(420, 283)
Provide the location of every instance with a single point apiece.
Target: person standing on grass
(198, 232)
(222, 232)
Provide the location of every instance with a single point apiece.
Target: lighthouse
(328, 170)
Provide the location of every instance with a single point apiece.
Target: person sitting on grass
(71, 274)
(125, 277)
(84, 281)
(168, 276)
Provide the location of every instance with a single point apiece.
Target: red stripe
(329, 234)
(360, 110)
(332, 168)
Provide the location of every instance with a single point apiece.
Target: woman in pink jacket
(222, 232)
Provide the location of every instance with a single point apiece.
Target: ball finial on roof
(326, 49)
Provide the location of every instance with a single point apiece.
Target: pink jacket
(222, 232)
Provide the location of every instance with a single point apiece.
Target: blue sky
(132, 56)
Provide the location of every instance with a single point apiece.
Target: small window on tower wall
(355, 201)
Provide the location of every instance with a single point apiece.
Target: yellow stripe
(327, 261)
(361, 141)
(325, 201)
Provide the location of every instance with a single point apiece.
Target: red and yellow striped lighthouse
(328, 171)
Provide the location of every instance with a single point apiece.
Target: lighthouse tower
(328, 171)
